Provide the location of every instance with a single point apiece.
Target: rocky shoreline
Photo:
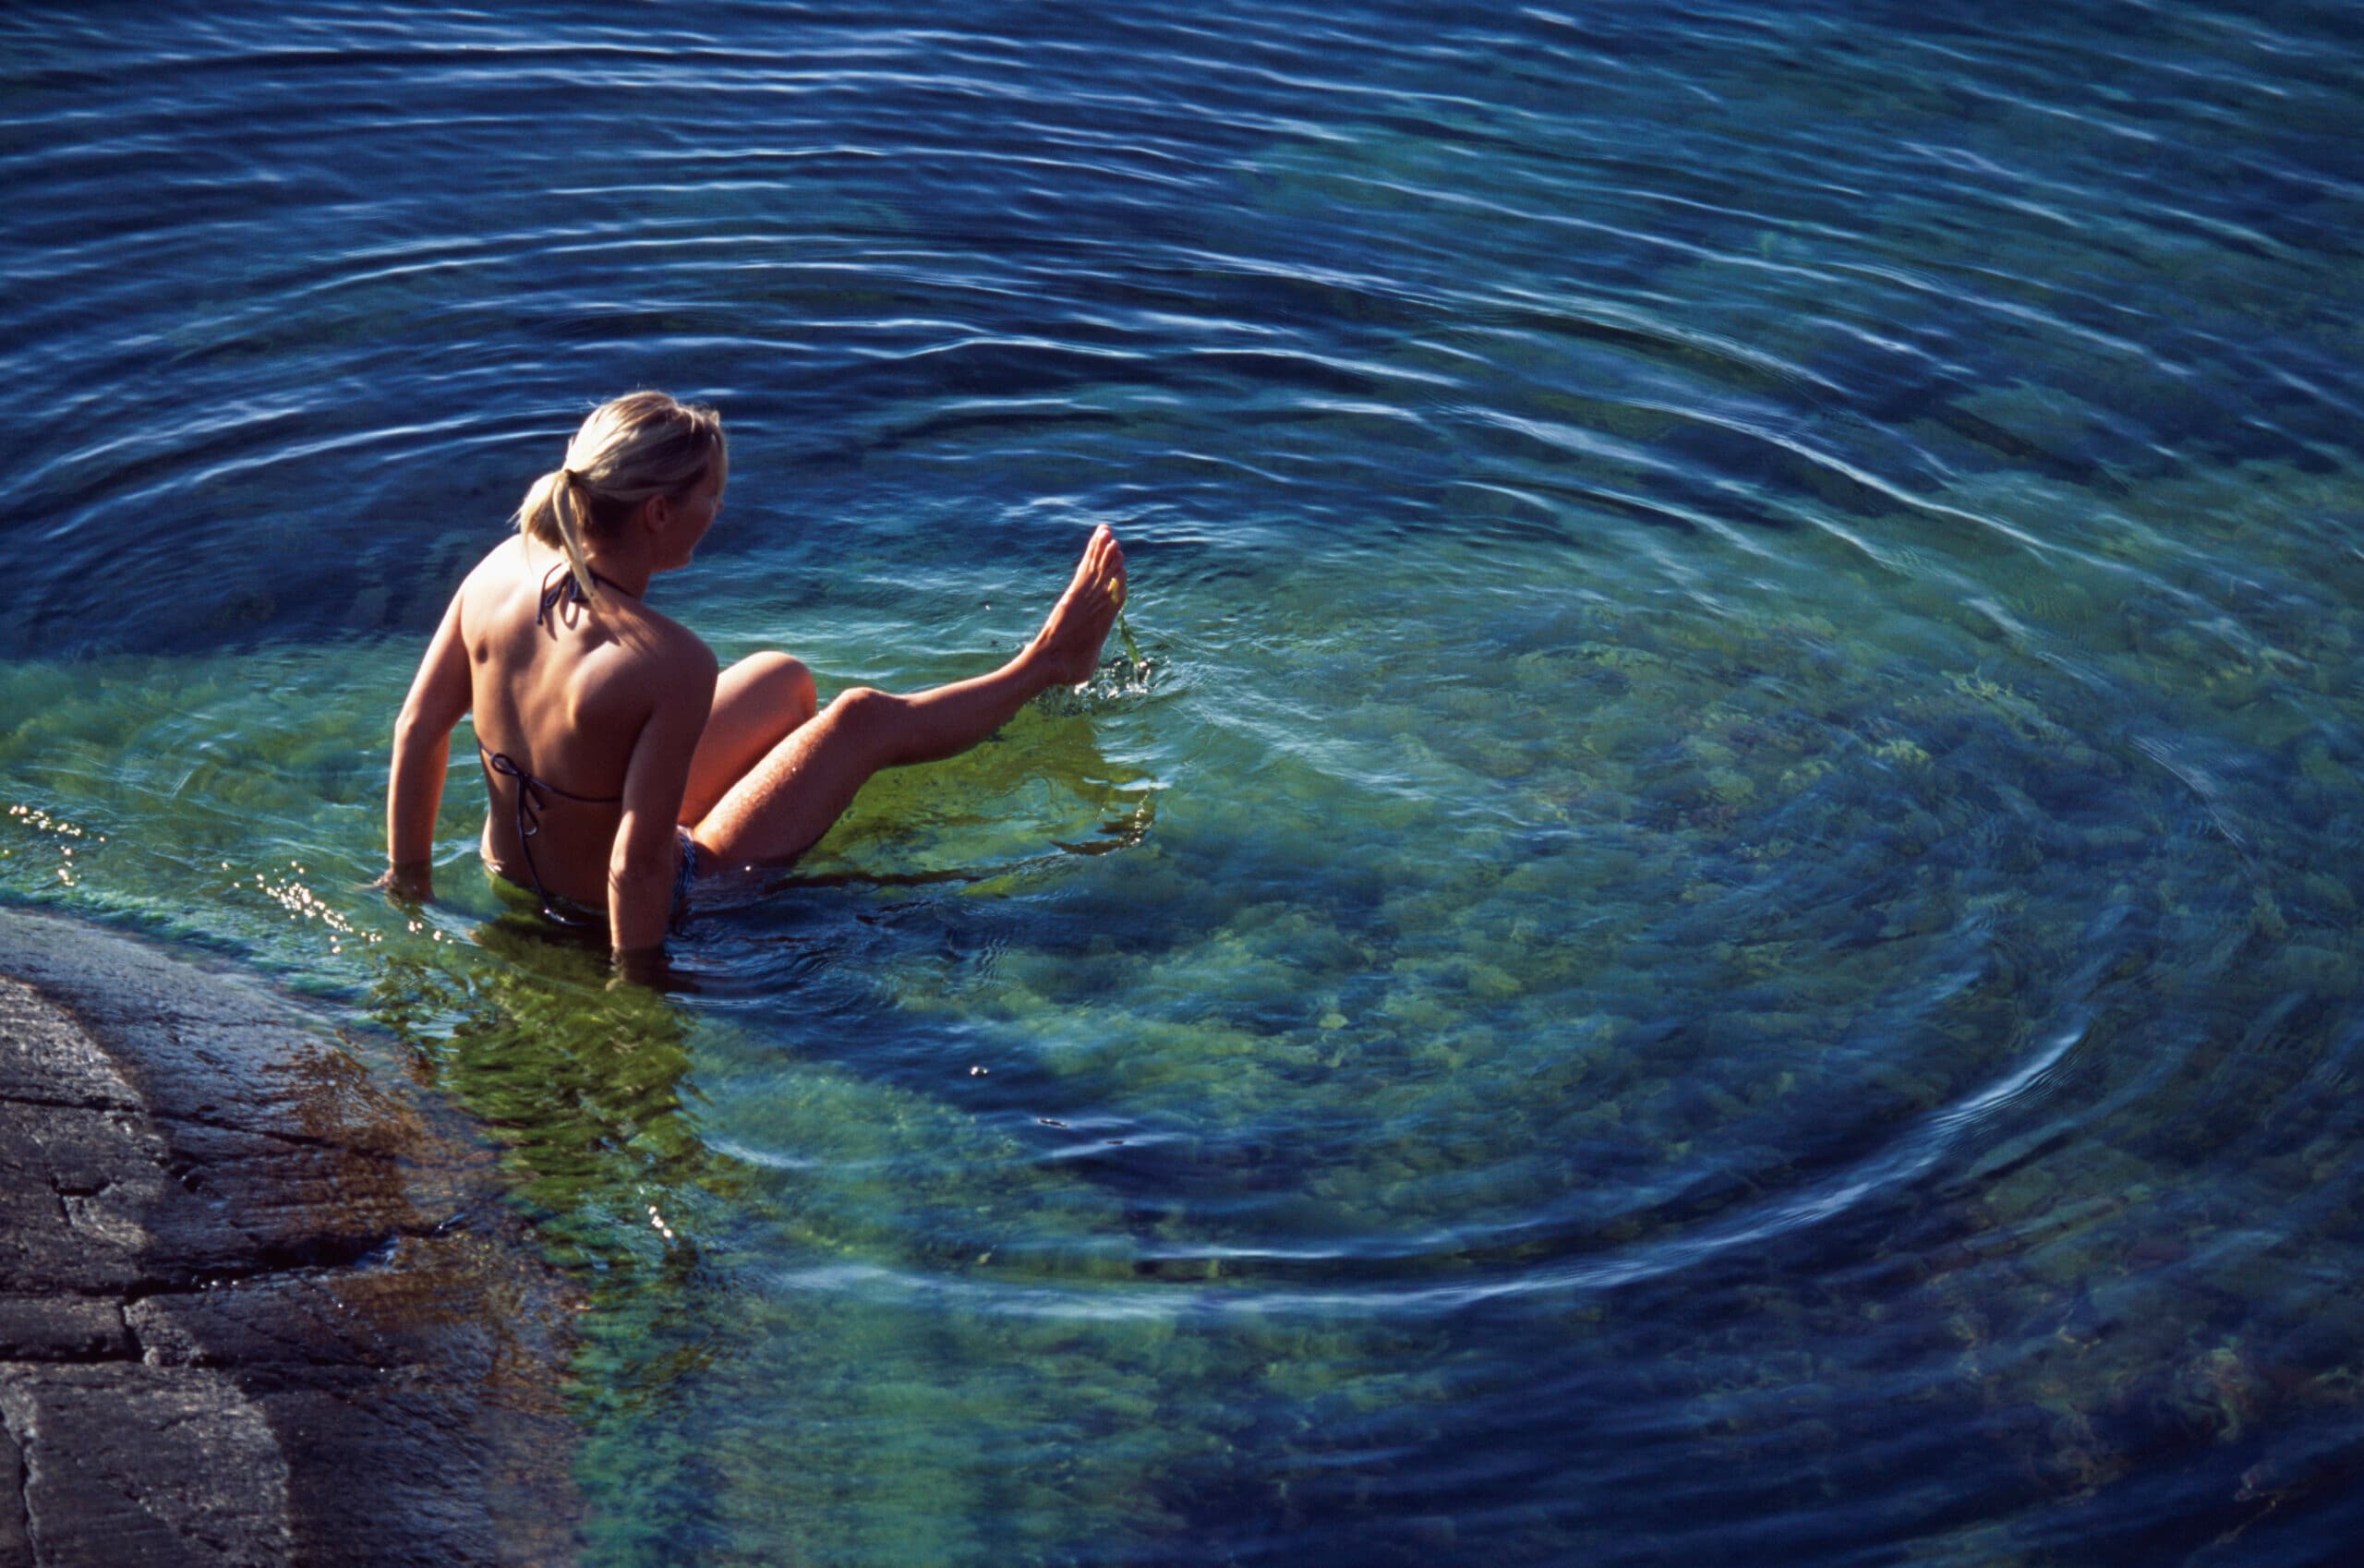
(255, 1309)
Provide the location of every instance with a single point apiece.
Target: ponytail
(554, 513)
(568, 506)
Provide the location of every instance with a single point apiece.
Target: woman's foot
(1069, 644)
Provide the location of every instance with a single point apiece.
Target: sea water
(1714, 920)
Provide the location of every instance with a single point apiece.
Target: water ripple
(1729, 847)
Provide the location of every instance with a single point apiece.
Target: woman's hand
(639, 966)
(412, 882)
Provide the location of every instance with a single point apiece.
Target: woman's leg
(804, 783)
(758, 702)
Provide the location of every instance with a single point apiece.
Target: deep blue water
(1724, 925)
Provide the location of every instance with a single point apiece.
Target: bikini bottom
(567, 912)
(685, 875)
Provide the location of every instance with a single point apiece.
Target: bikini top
(561, 592)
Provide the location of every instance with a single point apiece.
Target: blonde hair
(631, 448)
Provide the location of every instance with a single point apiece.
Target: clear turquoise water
(1723, 928)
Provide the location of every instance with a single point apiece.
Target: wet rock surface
(254, 1307)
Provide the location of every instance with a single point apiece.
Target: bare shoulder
(677, 641)
(500, 565)
(502, 561)
(664, 656)
(492, 579)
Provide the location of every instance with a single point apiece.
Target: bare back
(565, 696)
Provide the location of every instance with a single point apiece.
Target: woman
(622, 764)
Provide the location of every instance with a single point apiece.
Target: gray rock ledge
(255, 1308)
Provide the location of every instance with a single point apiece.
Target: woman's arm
(641, 868)
(440, 695)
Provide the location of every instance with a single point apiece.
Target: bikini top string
(532, 796)
(561, 592)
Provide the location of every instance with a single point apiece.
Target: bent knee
(861, 705)
(803, 696)
(785, 683)
(875, 726)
